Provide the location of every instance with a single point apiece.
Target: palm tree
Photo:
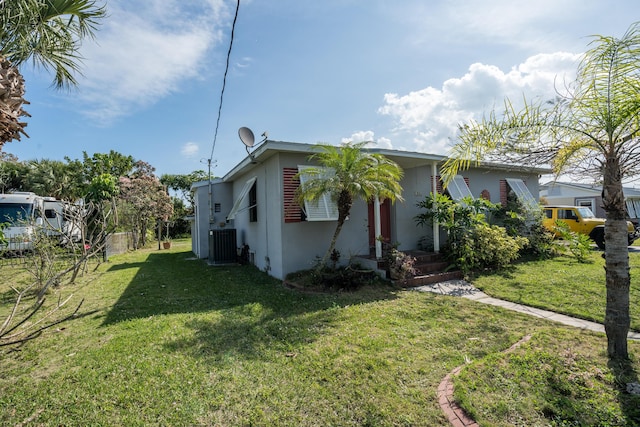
(55, 178)
(49, 32)
(594, 129)
(346, 173)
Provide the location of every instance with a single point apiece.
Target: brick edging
(455, 414)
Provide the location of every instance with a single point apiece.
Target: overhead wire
(224, 80)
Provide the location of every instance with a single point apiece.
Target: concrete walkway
(464, 289)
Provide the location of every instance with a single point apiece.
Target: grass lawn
(562, 285)
(163, 339)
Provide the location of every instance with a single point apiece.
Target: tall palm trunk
(11, 102)
(616, 320)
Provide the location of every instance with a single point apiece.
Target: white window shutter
(522, 193)
(322, 209)
(241, 197)
(458, 188)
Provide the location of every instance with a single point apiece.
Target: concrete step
(428, 279)
(431, 267)
(423, 257)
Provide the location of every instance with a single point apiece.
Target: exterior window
(323, 209)
(458, 188)
(253, 204)
(243, 195)
(522, 193)
(290, 183)
(589, 203)
(217, 207)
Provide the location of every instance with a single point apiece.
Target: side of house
(256, 202)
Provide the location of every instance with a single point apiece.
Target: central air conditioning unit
(222, 246)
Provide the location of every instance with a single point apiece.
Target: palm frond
(49, 33)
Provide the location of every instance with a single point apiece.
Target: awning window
(243, 195)
(322, 209)
(522, 193)
(633, 208)
(458, 188)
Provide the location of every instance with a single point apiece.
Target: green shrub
(472, 243)
(347, 278)
(520, 221)
(578, 244)
(486, 246)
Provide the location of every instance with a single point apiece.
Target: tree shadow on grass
(252, 332)
(243, 310)
(625, 375)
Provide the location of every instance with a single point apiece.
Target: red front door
(385, 224)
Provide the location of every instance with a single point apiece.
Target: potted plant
(166, 242)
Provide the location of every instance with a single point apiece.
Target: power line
(224, 80)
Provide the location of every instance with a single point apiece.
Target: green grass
(558, 378)
(166, 340)
(562, 285)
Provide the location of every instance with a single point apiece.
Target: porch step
(431, 267)
(428, 279)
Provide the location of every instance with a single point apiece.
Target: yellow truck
(581, 220)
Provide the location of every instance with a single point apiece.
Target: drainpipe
(377, 226)
(436, 226)
(210, 196)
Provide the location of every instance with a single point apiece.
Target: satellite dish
(246, 136)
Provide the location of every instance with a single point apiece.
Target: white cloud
(190, 149)
(427, 119)
(538, 26)
(367, 135)
(244, 62)
(144, 51)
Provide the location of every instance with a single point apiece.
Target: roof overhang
(405, 159)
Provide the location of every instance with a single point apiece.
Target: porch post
(436, 226)
(377, 226)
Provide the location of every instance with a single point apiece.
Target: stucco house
(252, 210)
(590, 195)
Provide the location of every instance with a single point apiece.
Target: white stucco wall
(404, 229)
(303, 242)
(280, 248)
(205, 219)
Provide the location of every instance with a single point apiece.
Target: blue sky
(402, 73)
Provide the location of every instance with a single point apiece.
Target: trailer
(25, 214)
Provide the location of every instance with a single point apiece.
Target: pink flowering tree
(144, 201)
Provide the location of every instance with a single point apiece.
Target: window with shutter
(322, 209)
(458, 188)
(243, 194)
(290, 183)
(522, 193)
(253, 204)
